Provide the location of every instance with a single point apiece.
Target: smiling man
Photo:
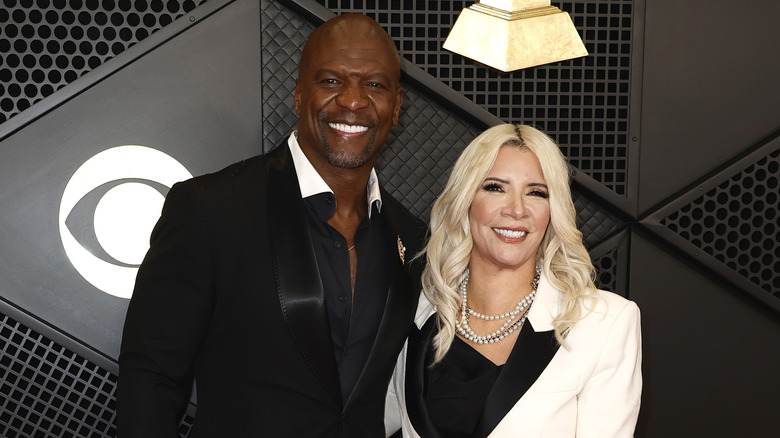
(283, 283)
(348, 94)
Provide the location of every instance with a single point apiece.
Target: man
(282, 283)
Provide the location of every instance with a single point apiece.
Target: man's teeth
(351, 129)
(509, 233)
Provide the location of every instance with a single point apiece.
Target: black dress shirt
(354, 318)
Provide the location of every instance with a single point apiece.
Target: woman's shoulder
(603, 315)
(608, 304)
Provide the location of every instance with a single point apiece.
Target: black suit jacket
(229, 293)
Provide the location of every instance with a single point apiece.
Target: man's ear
(297, 100)
(399, 99)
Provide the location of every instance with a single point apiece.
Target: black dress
(456, 389)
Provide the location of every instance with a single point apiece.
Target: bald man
(283, 283)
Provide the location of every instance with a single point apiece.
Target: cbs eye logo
(108, 210)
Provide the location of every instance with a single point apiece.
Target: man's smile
(349, 129)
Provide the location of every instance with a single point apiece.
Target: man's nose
(353, 97)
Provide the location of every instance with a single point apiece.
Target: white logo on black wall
(108, 210)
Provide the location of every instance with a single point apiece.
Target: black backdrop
(670, 125)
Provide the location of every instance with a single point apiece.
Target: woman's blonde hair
(562, 255)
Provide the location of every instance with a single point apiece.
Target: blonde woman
(512, 337)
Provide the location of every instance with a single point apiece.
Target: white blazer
(592, 389)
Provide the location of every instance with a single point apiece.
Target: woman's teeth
(509, 233)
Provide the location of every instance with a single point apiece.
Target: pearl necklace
(506, 329)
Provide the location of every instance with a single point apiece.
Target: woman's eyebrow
(493, 178)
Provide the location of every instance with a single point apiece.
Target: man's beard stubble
(346, 160)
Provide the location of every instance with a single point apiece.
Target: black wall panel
(187, 98)
(710, 89)
(46, 44)
(189, 89)
(710, 355)
(706, 270)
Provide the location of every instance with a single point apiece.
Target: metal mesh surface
(283, 35)
(738, 223)
(594, 221)
(49, 391)
(606, 272)
(47, 44)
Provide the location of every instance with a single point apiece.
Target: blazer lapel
(397, 316)
(300, 290)
(416, 363)
(529, 357)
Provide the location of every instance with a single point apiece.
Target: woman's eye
(539, 193)
(492, 187)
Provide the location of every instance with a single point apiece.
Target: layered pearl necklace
(506, 329)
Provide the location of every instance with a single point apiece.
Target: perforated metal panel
(582, 103)
(48, 390)
(738, 223)
(47, 44)
(606, 272)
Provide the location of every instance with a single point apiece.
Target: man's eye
(376, 85)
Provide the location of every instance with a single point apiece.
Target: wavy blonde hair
(562, 255)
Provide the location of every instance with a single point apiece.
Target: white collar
(311, 183)
(424, 311)
(541, 314)
(545, 305)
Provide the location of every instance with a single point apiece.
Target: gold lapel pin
(401, 249)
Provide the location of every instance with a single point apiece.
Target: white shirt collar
(311, 183)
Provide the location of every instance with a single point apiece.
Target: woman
(514, 339)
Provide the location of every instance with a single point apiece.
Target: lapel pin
(401, 250)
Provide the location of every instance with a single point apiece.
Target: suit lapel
(529, 357)
(397, 316)
(300, 290)
(416, 363)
